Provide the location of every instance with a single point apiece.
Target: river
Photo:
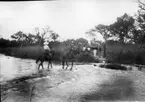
(85, 83)
(11, 67)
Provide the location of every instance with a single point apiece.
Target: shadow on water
(121, 89)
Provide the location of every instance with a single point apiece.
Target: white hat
(46, 43)
(88, 49)
(84, 48)
(46, 47)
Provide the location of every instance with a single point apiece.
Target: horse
(47, 55)
(69, 57)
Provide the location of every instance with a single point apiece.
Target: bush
(6, 51)
(140, 57)
(113, 66)
(85, 58)
(33, 52)
(116, 53)
(127, 57)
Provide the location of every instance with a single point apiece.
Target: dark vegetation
(128, 35)
(32, 51)
(113, 66)
(125, 53)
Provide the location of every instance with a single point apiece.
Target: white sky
(69, 18)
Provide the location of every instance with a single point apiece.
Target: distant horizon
(69, 18)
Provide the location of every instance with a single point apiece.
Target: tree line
(126, 29)
(23, 39)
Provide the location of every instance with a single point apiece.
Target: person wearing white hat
(46, 48)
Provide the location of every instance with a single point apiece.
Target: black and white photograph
(72, 51)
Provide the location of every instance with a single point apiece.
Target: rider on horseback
(48, 53)
(46, 49)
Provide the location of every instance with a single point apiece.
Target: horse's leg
(48, 65)
(42, 65)
(50, 61)
(67, 65)
(47, 58)
(39, 67)
(72, 65)
(63, 62)
(51, 64)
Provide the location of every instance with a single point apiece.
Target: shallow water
(85, 82)
(11, 67)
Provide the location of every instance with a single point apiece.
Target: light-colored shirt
(46, 47)
(46, 43)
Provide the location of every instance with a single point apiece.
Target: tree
(141, 4)
(68, 42)
(141, 21)
(54, 36)
(41, 34)
(141, 15)
(101, 29)
(122, 28)
(19, 37)
(80, 43)
(45, 33)
(137, 36)
(104, 31)
(31, 38)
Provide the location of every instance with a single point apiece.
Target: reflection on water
(11, 67)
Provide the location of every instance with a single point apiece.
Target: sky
(68, 18)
